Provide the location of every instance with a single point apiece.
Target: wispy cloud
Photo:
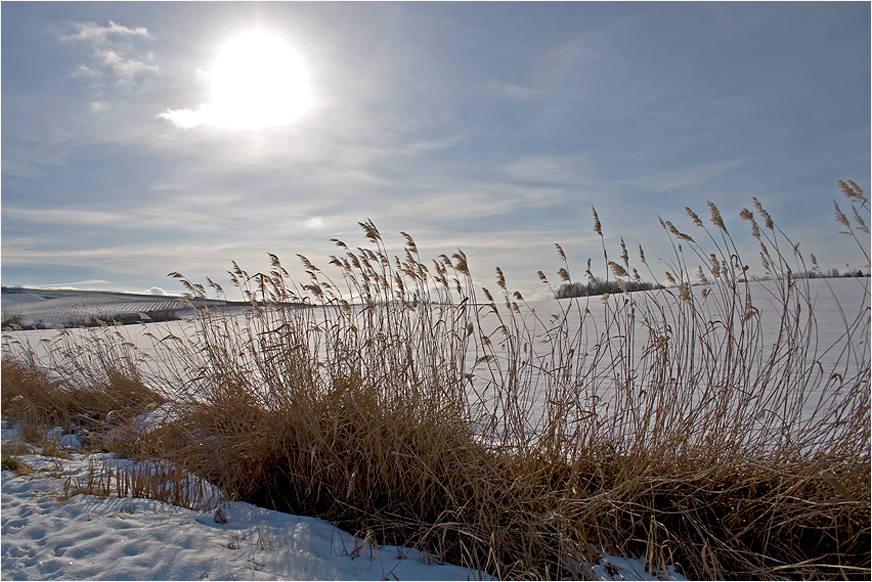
(186, 118)
(75, 284)
(113, 52)
(482, 199)
(183, 256)
(94, 32)
(461, 203)
(550, 169)
(692, 175)
(61, 216)
(515, 92)
(125, 69)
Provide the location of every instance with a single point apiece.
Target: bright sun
(257, 81)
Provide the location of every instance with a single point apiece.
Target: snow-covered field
(57, 307)
(48, 536)
(829, 298)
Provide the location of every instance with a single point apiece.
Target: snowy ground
(48, 536)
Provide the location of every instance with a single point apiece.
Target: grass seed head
(716, 216)
(597, 227)
(693, 217)
(840, 216)
(767, 219)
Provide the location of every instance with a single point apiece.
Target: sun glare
(257, 81)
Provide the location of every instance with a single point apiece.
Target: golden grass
(399, 407)
(89, 388)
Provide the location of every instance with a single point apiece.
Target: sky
(128, 150)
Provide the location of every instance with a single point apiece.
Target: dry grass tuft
(75, 393)
(13, 463)
(161, 481)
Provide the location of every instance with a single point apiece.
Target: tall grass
(92, 386)
(677, 424)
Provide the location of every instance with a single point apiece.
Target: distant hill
(29, 308)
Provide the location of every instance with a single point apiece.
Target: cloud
(188, 118)
(63, 216)
(94, 32)
(315, 222)
(123, 68)
(540, 169)
(72, 286)
(112, 51)
(691, 176)
(464, 203)
(157, 257)
(85, 72)
(425, 146)
(482, 199)
(570, 171)
(516, 92)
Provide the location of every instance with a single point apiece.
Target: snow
(46, 536)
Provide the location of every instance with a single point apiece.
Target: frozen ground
(47, 536)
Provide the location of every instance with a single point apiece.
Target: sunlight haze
(257, 81)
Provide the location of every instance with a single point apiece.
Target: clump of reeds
(678, 424)
(721, 446)
(94, 386)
